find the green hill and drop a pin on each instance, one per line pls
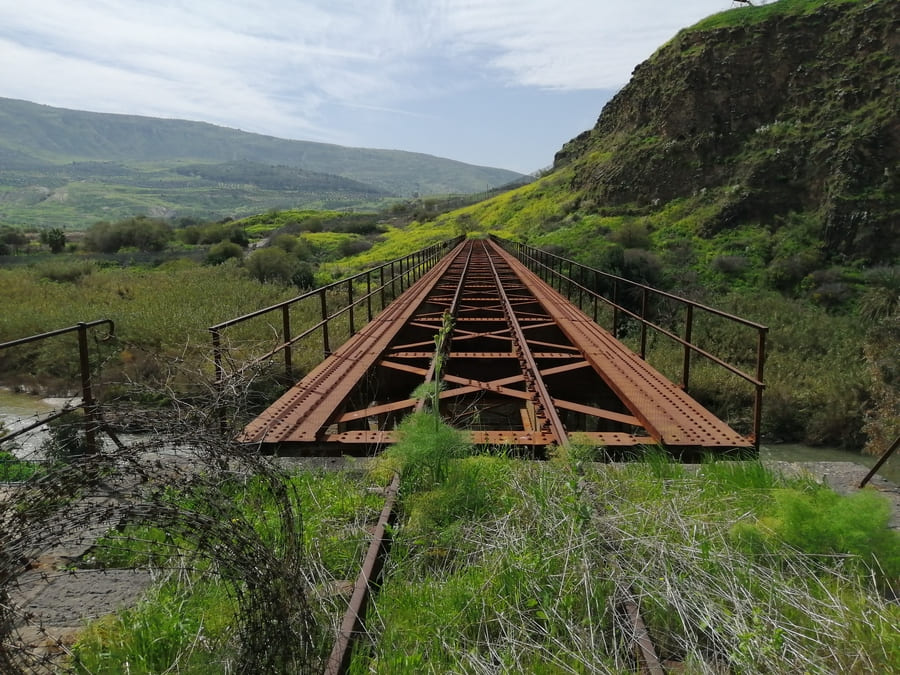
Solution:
(65, 167)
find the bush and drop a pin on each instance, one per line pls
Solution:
(272, 265)
(64, 272)
(304, 278)
(222, 251)
(352, 247)
(141, 233)
(823, 522)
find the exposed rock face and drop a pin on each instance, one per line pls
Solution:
(794, 113)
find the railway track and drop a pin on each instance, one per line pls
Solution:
(520, 366)
(523, 368)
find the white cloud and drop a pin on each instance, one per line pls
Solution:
(280, 67)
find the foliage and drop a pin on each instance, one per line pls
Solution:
(536, 581)
(65, 271)
(272, 265)
(238, 543)
(174, 625)
(213, 233)
(423, 452)
(54, 238)
(13, 469)
(742, 16)
(141, 233)
(224, 250)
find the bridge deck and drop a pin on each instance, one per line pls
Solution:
(524, 368)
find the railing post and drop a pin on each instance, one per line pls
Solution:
(87, 396)
(569, 283)
(350, 305)
(326, 346)
(220, 376)
(758, 403)
(286, 324)
(369, 295)
(615, 301)
(644, 323)
(580, 287)
(688, 331)
(393, 279)
(382, 287)
(596, 292)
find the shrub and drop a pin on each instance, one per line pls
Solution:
(730, 265)
(70, 271)
(141, 233)
(272, 265)
(222, 251)
(352, 247)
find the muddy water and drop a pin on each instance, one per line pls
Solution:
(20, 410)
(803, 453)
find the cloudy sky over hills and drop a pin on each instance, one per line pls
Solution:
(495, 82)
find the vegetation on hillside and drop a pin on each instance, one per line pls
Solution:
(63, 168)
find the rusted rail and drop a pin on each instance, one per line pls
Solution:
(353, 623)
(91, 414)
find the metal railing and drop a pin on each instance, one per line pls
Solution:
(369, 291)
(88, 403)
(560, 273)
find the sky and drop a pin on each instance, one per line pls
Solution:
(501, 83)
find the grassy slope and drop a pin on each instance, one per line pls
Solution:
(38, 145)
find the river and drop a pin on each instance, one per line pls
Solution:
(16, 410)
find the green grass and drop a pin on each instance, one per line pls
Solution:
(190, 622)
(183, 624)
(531, 582)
(743, 16)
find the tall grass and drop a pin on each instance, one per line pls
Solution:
(534, 583)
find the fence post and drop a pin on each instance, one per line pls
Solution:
(350, 305)
(326, 347)
(644, 323)
(286, 326)
(87, 396)
(369, 295)
(615, 300)
(220, 376)
(758, 403)
(393, 279)
(688, 331)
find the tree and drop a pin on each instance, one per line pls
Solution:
(54, 238)
(272, 265)
(11, 238)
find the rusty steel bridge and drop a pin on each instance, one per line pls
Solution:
(520, 366)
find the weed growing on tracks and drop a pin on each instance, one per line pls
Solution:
(532, 582)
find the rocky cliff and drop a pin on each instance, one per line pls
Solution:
(791, 107)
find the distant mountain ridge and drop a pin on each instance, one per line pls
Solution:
(39, 144)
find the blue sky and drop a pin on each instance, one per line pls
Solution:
(493, 82)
